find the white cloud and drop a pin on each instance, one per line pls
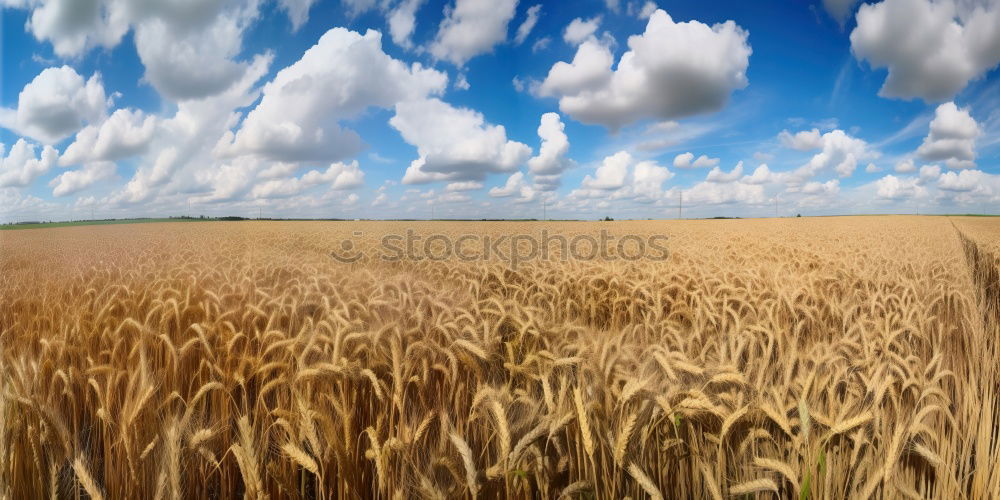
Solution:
(761, 175)
(513, 186)
(872, 168)
(462, 83)
(891, 187)
(952, 137)
(815, 188)
(124, 134)
(20, 167)
(540, 44)
(684, 160)
(717, 175)
(472, 27)
(454, 143)
(620, 177)
(839, 10)
(74, 26)
(56, 104)
(530, 20)
(905, 167)
(714, 193)
(579, 30)
(189, 48)
(402, 22)
(648, 179)
(180, 155)
(929, 173)
(338, 78)
(464, 186)
(671, 71)
(77, 180)
(357, 7)
(840, 153)
(551, 159)
(611, 173)
(965, 180)
(338, 176)
(297, 10)
(932, 49)
(647, 10)
(805, 140)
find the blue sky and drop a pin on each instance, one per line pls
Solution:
(310, 108)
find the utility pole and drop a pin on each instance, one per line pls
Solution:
(680, 205)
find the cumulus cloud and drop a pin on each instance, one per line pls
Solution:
(402, 22)
(454, 143)
(551, 159)
(20, 167)
(687, 160)
(648, 179)
(805, 140)
(717, 175)
(472, 27)
(55, 104)
(184, 63)
(181, 149)
(338, 78)
(715, 193)
(815, 188)
(579, 30)
(761, 175)
(73, 26)
(73, 181)
(124, 134)
(611, 173)
(965, 180)
(513, 186)
(530, 20)
(464, 186)
(840, 152)
(190, 50)
(891, 187)
(905, 167)
(620, 176)
(932, 49)
(952, 137)
(929, 173)
(338, 176)
(671, 71)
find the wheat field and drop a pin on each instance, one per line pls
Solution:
(793, 358)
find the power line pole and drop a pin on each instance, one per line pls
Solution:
(680, 205)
